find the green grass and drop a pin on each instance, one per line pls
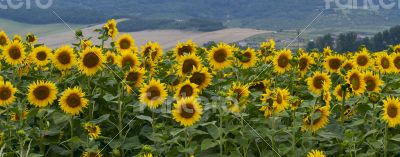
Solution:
(12, 27)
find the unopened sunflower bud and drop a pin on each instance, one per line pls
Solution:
(374, 97)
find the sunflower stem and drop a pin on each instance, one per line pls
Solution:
(385, 141)
(220, 132)
(71, 125)
(293, 132)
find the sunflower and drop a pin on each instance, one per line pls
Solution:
(182, 49)
(4, 41)
(111, 28)
(153, 94)
(338, 93)
(362, 59)
(260, 85)
(384, 63)
(128, 59)
(15, 116)
(92, 154)
(186, 89)
(316, 119)
(282, 61)
(152, 51)
(219, 56)
(86, 44)
(281, 99)
(41, 55)
(267, 49)
(72, 101)
(42, 93)
(373, 82)
(327, 51)
(348, 65)
(391, 111)
(91, 61)
(237, 96)
(110, 57)
(125, 43)
(356, 80)
(145, 155)
(333, 63)
(268, 102)
(187, 63)
(134, 79)
(295, 103)
(201, 77)
(396, 62)
(315, 153)
(17, 38)
(247, 58)
(396, 48)
(187, 111)
(305, 61)
(7, 92)
(31, 38)
(92, 130)
(14, 53)
(315, 83)
(326, 94)
(64, 58)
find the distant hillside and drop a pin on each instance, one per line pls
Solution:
(261, 14)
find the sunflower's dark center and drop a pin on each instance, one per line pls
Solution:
(279, 98)
(147, 51)
(335, 63)
(239, 93)
(348, 67)
(283, 61)
(91, 129)
(355, 81)
(5, 93)
(371, 84)
(188, 65)
(153, 93)
(187, 110)
(128, 61)
(318, 81)
(154, 54)
(132, 77)
(125, 44)
(91, 60)
(15, 52)
(362, 60)
(3, 40)
(220, 55)
(176, 82)
(339, 92)
(41, 56)
(185, 50)
(198, 78)
(74, 100)
(64, 58)
(397, 62)
(303, 63)
(247, 58)
(110, 59)
(385, 63)
(316, 121)
(41, 92)
(259, 87)
(93, 154)
(31, 38)
(392, 111)
(186, 91)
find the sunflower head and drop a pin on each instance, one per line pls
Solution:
(187, 111)
(153, 94)
(348, 65)
(356, 80)
(64, 58)
(237, 95)
(333, 63)
(125, 43)
(134, 78)
(92, 130)
(304, 62)
(42, 93)
(41, 55)
(315, 83)
(14, 53)
(186, 89)
(111, 58)
(220, 56)
(267, 48)
(182, 49)
(3, 39)
(281, 99)
(73, 101)
(187, 63)
(327, 51)
(201, 77)
(372, 81)
(362, 59)
(260, 85)
(340, 91)
(282, 61)
(316, 153)
(391, 111)
(86, 44)
(91, 61)
(128, 59)
(7, 92)
(31, 38)
(92, 154)
(17, 38)
(396, 62)
(384, 63)
(316, 119)
(15, 116)
(268, 102)
(152, 51)
(111, 28)
(247, 58)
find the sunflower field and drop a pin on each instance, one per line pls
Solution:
(119, 100)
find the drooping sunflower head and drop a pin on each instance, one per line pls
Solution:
(91, 61)
(128, 59)
(182, 49)
(339, 92)
(111, 28)
(396, 49)
(30, 38)
(260, 85)
(92, 154)
(316, 119)
(267, 48)
(295, 103)
(186, 89)
(14, 53)
(333, 63)
(373, 82)
(42, 93)
(41, 55)
(134, 78)
(304, 62)
(187, 111)
(396, 62)
(86, 44)
(73, 101)
(92, 130)
(152, 51)
(326, 94)
(282, 61)
(362, 59)
(17, 38)
(348, 65)
(316, 153)
(384, 63)
(125, 43)
(247, 58)
(281, 99)
(237, 96)
(3, 39)
(220, 56)
(327, 51)
(153, 94)
(7, 92)
(268, 102)
(315, 83)
(15, 116)
(391, 111)
(111, 58)
(356, 80)
(64, 58)
(201, 77)
(187, 63)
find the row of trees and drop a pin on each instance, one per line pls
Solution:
(352, 41)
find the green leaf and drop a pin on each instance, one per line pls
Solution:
(100, 119)
(213, 131)
(396, 138)
(109, 97)
(143, 117)
(207, 144)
